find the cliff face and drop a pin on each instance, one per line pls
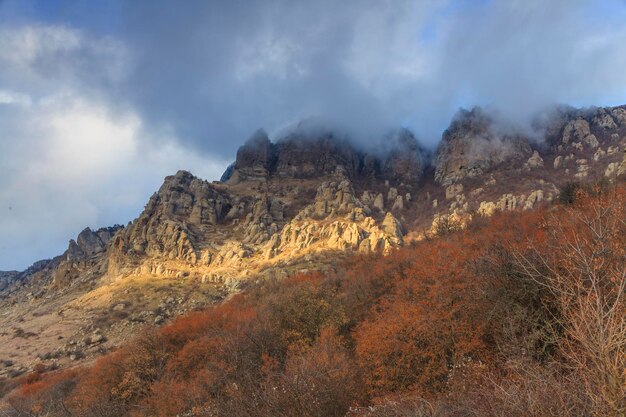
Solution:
(301, 203)
(289, 199)
(304, 157)
(471, 146)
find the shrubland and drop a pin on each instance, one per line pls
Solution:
(520, 314)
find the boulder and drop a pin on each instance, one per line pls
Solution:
(535, 161)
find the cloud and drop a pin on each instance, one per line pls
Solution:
(97, 106)
(522, 56)
(70, 158)
(43, 60)
(76, 164)
(216, 71)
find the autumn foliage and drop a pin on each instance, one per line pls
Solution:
(484, 321)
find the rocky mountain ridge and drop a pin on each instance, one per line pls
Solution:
(302, 203)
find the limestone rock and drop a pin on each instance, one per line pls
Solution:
(391, 226)
(576, 131)
(333, 198)
(398, 204)
(254, 159)
(535, 161)
(486, 208)
(611, 169)
(298, 156)
(443, 223)
(379, 202)
(599, 154)
(471, 147)
(166, 227)
(604, 120)
(582, 169)
(621, 170)
(592, 141)
(535, 197)
(301, 154)
(507, 202)
(453, 190)
(619, 115)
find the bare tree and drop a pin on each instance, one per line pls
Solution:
(582, 263)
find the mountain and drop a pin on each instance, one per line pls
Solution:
(303, 203)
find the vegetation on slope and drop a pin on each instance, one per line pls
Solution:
(521, 314)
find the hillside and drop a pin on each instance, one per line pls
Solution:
(305, 203)
(521, 314)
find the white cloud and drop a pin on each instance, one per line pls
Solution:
(21, 47)
(12, 97)
(71, 159)
(73, 163)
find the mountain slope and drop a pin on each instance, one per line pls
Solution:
(301, 204)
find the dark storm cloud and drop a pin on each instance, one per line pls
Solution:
(213, 72)
(216, 71)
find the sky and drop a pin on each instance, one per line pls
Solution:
(99, 101)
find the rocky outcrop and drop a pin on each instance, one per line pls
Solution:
(404, 160)
(299, 155)
(166, 227)
(535, 161)
(90, 243)
(7, 278)
(303, 157)
(254, 159)
(193, 225)
(616, 169)
(356, 232)
(619, 115)
(332, 198)
(471, 146)
(604, 120)
(337, 220)
(575, 131)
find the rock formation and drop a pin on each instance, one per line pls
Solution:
(302, 203)
(295, 156)
(471, 147)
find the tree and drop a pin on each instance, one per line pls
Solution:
(584, 269)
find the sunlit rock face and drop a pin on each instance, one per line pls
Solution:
(283, 199)
(172, 224)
